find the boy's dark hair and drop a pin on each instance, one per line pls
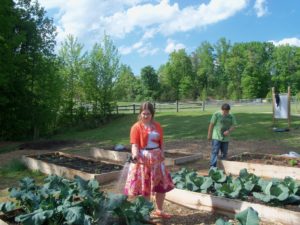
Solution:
(225, 106)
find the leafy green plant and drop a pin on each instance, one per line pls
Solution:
(190, 180)
(272, 191)
(217, 175)
(293, 162)
(248, 216)
(276, 192)
(230, 189)
(61, 201)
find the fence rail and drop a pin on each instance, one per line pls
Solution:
(160, 107)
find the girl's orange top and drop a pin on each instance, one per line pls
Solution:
(139, 135)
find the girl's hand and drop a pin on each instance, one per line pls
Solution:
(134, 151)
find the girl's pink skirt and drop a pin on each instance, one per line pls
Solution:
(148, 175)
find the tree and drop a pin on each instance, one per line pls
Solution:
(222, 49)
(126, 87)
(72, 67)
(102, 72)
(285, 68)
(150, 83)
(205, 68)
(178, 72)
(29, 67)
(234, 68)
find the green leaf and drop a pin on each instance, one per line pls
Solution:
(74, 215)
(38, 217)
(7, 206)
(248, 217)
(217, 175)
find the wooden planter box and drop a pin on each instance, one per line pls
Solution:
(230, 207)
(122, 156)
(51, 168)
(262, 170)
(2, 222)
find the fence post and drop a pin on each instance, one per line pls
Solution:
(177, 106)
(117, 108)
(203, 106)
(133, 108)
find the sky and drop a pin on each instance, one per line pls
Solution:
(146, 32)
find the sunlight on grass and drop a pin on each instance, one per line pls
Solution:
(193, 125)
(14, 171)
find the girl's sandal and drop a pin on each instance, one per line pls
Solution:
(162, 215)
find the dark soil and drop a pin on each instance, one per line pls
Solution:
(77, 163)
(267, 159)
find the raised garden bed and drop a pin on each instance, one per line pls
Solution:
(67, 165)
(171, 157)
(230, 207)
(264, 165)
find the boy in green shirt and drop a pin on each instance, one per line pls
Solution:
(222, 123)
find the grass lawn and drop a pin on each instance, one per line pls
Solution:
(254, 123)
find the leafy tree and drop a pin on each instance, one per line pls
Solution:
(178, 71)
(102, 72)
(285, 68)
(126, 87)
(72, 66)
(29, 105)
(150, 83)
(234, 68)
(222, 49)
(256, 75)
(205, 68)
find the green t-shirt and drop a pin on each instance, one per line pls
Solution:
(221, 123)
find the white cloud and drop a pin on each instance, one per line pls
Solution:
(173, 46)
(141, 47)
(260, 8)
(119, 17)
(88, 20)
(287, 41)
(205, 14)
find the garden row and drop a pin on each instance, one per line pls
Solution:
(214, 192)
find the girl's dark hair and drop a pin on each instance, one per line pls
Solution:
(147, 106)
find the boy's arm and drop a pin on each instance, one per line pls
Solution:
(209, 133)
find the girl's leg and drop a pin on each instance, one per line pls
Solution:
(159, 199)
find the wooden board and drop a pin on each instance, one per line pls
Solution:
(2, 222)
(230, 207)
(122, 156)
(262, 170)
(100, 153)
(50, 168)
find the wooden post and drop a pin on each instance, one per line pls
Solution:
(177, 106)
(289, 107)
(273, 102)
(203, 105)
(133, 108)
(117, 108)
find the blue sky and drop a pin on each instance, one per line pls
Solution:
(146, 32)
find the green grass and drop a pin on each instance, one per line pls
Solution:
(8, 148)
(14, 171)
(254, 123)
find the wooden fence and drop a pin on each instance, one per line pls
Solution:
(161, 107)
